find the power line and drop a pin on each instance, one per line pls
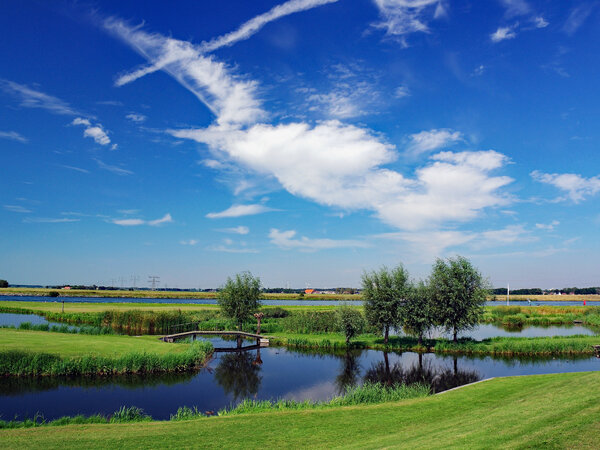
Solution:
(153, 280)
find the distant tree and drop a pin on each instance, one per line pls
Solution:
(458, 293)
(240, 297)
(384, 293)
(3, 284)
(418, 311)
(350, 321)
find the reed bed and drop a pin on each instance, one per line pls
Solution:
(27, 363)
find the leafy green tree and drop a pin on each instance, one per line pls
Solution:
(384, 293)
(417, 311)
(458, 293)
(350, 321)
(240, 297)
(3, 284)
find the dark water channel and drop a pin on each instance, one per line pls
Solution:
(267, 373)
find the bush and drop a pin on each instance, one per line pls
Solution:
(53, 294)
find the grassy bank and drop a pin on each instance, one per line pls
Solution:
(25, 353)
(503, 346)
(519, 316)
(556, 411)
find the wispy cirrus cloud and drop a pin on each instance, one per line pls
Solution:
(190, 242)
(504, 33)
(577, 17)
(114, 169)
(288, 240)
(135, 117)
(133, 222)
(547, 226)
(13, 136)
(235, 230)
(17, 209)
(33, 98)
(76, 169)
(576, 187)
(239, 211)
(49, 220)
(402, 17)
(252, 26)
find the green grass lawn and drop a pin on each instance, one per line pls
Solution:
(550, 411)
(68, 345)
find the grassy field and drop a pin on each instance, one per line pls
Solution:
(200, 295)
(551, 411)
(43, 292)
(68, 345)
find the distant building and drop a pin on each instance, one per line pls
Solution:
(309, 291)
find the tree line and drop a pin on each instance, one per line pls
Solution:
(452, 297)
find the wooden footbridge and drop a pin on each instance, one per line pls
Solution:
(261, 341)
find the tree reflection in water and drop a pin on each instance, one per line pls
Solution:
(350, 372)
(437, 378)
(238, 373)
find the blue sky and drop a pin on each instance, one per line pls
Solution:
(306, 141)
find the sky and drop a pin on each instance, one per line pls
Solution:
(306, 141)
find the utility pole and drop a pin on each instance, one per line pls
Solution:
(153, 280)
(507, 294)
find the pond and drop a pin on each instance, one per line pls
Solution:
(267, 373)
(15, 320)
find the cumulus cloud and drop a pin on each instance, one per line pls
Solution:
(239, 211)
(540, 22)
(33, 98)
(131, 222)
(191, 242)
(427, 141)
(503, 33)
(287, 240)
(576, 187)
(96, 132)
(401, 92)
(12, 135)
(402, 17)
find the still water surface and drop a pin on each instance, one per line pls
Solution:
(268, 373)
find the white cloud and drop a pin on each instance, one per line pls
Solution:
(401, 92)
(516, 7)
(427, 141)
(575, 186)
(49, 220)
(114, 169)
(165, 219)
(189, 242)
(503, 33)
(17, 209)
(31, 98)
(287, 240)
(137, 118)
(540, 22)
(252, 26)
(547, 226)
(236, 230)
(239, 211)
(76, 169)
(402, 17)
(96, 132)
(136, 222)
(577, 17)
(13, 135)
(231, 99)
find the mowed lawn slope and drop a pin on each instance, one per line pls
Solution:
(555, 411)
(67, 345)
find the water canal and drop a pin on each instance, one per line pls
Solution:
(268, 373)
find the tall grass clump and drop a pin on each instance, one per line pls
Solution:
(25, 363)
(123, 415)
(129, 414)
(310, 322)
(186, 413)
(368, 393)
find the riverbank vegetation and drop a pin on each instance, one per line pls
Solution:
(555, 411)
(37, 353)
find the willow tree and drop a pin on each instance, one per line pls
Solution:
(384, 293)
(240, 297)
(458, 293)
